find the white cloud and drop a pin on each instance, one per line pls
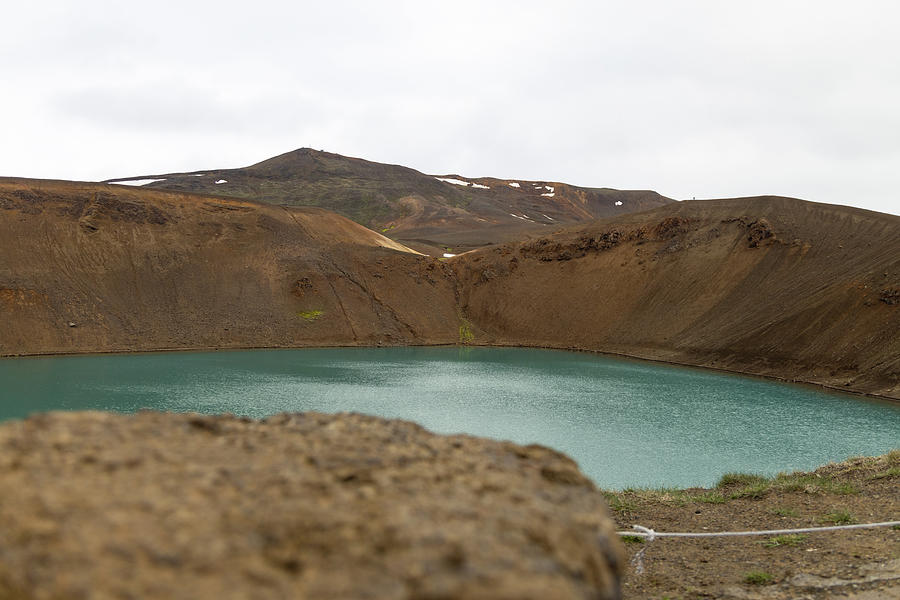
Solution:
(695, 98)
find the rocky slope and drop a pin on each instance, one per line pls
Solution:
(429, 213)
(90, 267)
(772, 286)
(157, 505)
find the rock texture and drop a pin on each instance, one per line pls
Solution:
(90, 267)
(771, 286)
(95, 505)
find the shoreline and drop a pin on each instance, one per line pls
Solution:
(162, 350)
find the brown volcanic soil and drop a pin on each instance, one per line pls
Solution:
(861, 564)
(771, 286)
(414, 208)
(154, 505)
(92, 267)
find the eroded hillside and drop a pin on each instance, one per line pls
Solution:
(96, 268)
(772, 286)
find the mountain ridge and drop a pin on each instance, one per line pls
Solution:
(430, 213)
(771, 286)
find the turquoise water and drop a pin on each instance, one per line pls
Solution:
(627, 423)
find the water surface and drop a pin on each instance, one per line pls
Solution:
(627, 423)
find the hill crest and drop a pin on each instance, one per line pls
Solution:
(430, 213)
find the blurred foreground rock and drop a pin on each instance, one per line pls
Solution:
(96, 505)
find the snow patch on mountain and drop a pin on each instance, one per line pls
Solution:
(453, 181)
(137, 181)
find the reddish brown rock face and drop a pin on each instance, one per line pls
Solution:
(296, 506)
(139, 269)
(771, 286)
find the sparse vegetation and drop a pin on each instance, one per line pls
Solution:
(625, 500)
(742, 479)
(754, 491)
(785, 512)
(617, 503)
(812, 483)
(785, 540)
(755, 486)
(786, 500)
(734, 486)
(758, 578)
(310, 315)
(465, 332)
(839, 517)
(632, 539)
(890, 473)
(711, 498)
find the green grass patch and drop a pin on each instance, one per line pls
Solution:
(839, 517)
(310, 315)
(832, 479)
(734, 486)
(742, 479)
(629, 498)
(808, 483)
(465, 332)
(758, 578)
(840, 487)
(618, 503)
(812, 483)
(893, 457)
(889, 474)
(710, 498)
(753, 492)
(669, 496)
(785, 540)
(632, 539)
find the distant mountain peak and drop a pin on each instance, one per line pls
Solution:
(426, 212)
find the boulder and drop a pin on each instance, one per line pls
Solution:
(158, 505)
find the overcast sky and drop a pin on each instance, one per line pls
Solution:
(689, 98)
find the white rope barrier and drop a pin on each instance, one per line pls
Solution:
(645, 532)
(650, 534)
